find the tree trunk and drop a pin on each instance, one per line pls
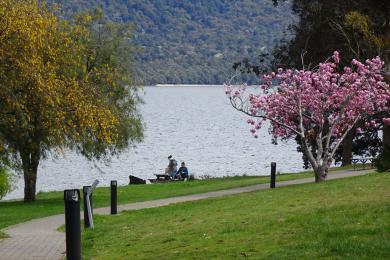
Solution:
(320, 173)
(347, 149)
(30, 161)
(386, 128)
(386, 139)
(30, 179)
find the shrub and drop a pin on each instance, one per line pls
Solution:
(5, 183)
(382, 163)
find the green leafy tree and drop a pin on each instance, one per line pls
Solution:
(368, 33)
(359, 29)
(63, 85)
(5, 183)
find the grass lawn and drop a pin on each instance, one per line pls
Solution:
(339, 219)
(51, 203)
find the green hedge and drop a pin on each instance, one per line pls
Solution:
(382, 163)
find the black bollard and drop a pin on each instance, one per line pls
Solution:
(87, 220)
(72, 224)
(113, 197)
(273, 174)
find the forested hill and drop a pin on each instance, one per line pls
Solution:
(194, 41)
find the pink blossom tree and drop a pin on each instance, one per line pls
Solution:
(318, 106)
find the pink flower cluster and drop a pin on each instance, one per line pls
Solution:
(325, 99)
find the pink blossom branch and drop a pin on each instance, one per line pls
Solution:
(263, 116)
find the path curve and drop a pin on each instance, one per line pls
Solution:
(39, 238)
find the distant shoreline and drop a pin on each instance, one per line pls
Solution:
(186, 85)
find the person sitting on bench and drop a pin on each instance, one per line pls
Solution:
(182, 173)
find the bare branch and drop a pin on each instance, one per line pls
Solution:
(343, 136)
(338, 27)
(303, 53)
(233, 77)
(306, 147)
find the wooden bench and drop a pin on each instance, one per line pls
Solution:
(163, 177)
(363, 161)
(160, 178)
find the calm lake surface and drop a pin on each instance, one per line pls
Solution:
(194, 124)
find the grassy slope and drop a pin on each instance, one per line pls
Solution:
(338, 219)
(51, 203)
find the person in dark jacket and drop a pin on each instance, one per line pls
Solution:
(182, 173)
(172, 167)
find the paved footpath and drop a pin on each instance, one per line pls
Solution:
(39, 238)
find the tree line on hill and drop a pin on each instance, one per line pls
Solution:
(193, 42)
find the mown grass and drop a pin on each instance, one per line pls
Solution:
(51, 203)
(338, 219)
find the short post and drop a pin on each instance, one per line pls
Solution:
(87, 220)
(72, 224)
(114, 197)
(273, 174)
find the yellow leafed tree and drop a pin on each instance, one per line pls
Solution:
(62, 86)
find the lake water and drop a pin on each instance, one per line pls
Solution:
(194, 124)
